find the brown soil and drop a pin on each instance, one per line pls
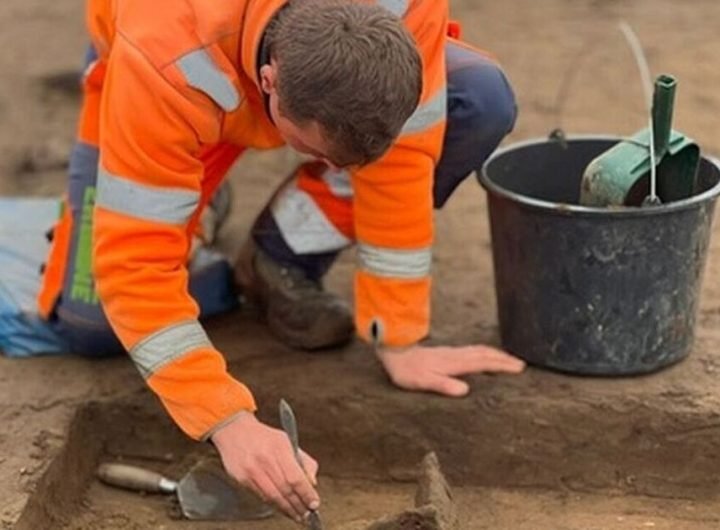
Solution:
(540, 451)
(138, 433)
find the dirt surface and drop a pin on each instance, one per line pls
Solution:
(540, 451)
(138, 433)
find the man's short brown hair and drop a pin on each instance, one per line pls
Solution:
(350, 66)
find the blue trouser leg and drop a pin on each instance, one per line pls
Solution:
(78, 315)
(481, 112)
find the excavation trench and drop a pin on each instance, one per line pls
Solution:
(509, 466)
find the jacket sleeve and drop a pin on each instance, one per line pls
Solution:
(393, 203)
(148, 197)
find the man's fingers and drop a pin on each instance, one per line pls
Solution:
(311, 467)
(299, 482)
(262, 458)
(269, 492)
(285, 483)
(445, 385)
(473, 359)
(492, 354)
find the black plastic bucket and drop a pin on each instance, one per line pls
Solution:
(592, 290)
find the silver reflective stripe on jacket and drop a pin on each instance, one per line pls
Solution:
(168, 344)
(428, 114)
(202, 73)
(150, 203)
(304, 226)
(393, 263)
(339, 182)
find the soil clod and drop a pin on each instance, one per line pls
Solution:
(434, 505)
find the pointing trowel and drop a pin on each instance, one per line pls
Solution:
(203, 493)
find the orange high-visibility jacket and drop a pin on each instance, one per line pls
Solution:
(180, 84)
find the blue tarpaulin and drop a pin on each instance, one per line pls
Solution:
(24, 223)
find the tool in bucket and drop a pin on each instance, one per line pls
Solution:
(204, 493)
(655, 165)
(289, 425)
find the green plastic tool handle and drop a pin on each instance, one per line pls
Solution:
(662, 110)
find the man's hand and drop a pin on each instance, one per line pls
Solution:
(436, 369)
(261, 458)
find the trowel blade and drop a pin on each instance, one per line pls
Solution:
(211, 495)
(314, 521)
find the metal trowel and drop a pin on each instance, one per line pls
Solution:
(204, 493)
(289, 425)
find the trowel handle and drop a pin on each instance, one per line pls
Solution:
(662, 111)
(135, 478)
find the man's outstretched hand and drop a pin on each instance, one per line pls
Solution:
(436, 369)
(261, 458)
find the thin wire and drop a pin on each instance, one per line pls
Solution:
(642, 64)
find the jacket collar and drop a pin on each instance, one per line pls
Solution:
(258, 15)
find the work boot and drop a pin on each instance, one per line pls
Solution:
(217, 212)
(212, 219)
(297, 309)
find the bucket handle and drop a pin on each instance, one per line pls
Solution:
(644, 69)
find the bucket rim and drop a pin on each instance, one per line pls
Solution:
(589, 211)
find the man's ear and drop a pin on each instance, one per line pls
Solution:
(268, 77)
